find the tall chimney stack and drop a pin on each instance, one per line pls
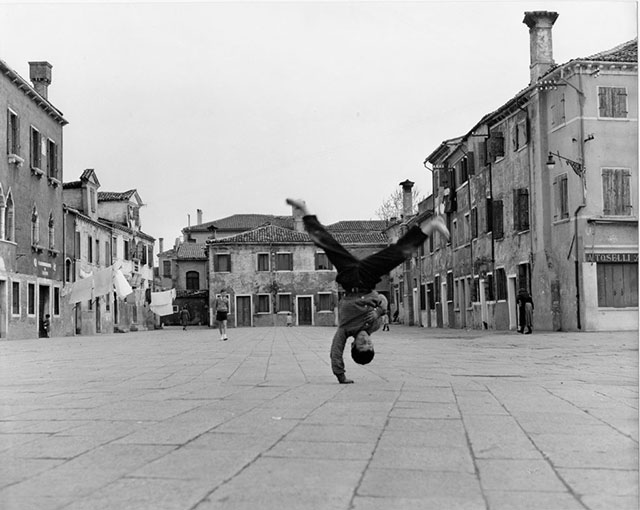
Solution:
(298, 224)
(540, 24)
(199, 213)
(407, 199)
(40, 76)
(161, 244)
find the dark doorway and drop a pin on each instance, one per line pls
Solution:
(304, 311)
(243, 310)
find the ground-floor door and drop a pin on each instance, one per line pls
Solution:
(98, 316)
(305, 313)
(243, 311)
(44, 306)
(511, 295)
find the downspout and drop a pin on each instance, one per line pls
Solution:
(583, 204)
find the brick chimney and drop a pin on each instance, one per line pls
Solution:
(298, 224)
(199, 213)
(540, 24)
(407, 199)
(40, 76)
(161, 244)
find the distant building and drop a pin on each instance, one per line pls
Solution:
(31, 225)
(271, 271)
(102, 229)
(542, 195)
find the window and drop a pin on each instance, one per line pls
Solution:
(56, 301)
(612, 102)
(284, 303)
(263, 303)
(193, 280)
(150, 256)
(449, 286)
(558, 111)
(284, 262)
(616, 192)
(561, 194)
(463, 170)
(501, 284)
(496, 146)
(35, 227)
(97, 251)
(466, 228)
(263, 262)
(617, 285)
(114, 248)
(521, 209)
(489, 288)
(9, 222)
(474, 222)
(15, 298)
(107, 254)
(52, 232)
(36, 149)
(454, 234)
(325, 302)
(126, 254)
(13, 133)
(498, 225)
(52, 159)
(166, 268)
(423, 297)
(31, 299)
(222, 262)
(322, 262)
(68, 268)
(89, 249)
(521, 134)
(437, 289)
(431, 295)
(475, 290)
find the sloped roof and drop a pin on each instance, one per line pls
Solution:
(243, 222)
(115, 196)
(625, 52)
(275, 234)
(357, 226)
(192, 251)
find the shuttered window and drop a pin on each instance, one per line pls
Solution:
(498, 223)
(612, 102)
(616, 192)
(474, 222)
(13, 133)
(222, 263)
(263, 262)
(561, 197)
(521, 209)
(617, 285)
(496, 146)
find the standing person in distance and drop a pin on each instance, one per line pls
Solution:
(222, 311)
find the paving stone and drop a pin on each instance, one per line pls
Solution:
(426, 503)
(432, 458)
(518, 475)
(533, 500)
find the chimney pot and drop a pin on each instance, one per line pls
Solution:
(161, 244)
(407, 198)
(40, 76)
(199, 213)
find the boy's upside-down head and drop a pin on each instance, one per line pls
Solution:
(362, 348)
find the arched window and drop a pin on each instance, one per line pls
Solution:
(193, 280)
(68, 271)
(9, 223)
(52, 232)
(35, 227)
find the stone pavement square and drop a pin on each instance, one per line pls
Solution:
(441, 419)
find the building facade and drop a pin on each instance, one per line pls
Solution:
(272, 272)
(102, 229)
(542, 195)
(31, 221)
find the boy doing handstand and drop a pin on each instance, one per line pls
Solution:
(362, 308)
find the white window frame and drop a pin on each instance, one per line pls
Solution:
(19, 299)
(268, 256)
(330, 294)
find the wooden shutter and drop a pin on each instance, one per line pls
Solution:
(625, 191)
(605, 102)
(471, 164)
(556, 198)
(608, 199)
(474, 222)
(619, 102)
(498, 228)
(489, 212)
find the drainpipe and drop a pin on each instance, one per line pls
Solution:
(582, 205)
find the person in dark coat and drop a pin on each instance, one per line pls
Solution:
(525, 311)
(185, 317)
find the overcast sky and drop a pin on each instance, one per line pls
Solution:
(230, 107)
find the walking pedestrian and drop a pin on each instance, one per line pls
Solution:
(524, 302)
(185, 317)
(385, 322)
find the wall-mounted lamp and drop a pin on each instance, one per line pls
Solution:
(577, 167)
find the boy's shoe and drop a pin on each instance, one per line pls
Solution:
(343, 380)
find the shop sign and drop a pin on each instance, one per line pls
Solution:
(620, 258)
